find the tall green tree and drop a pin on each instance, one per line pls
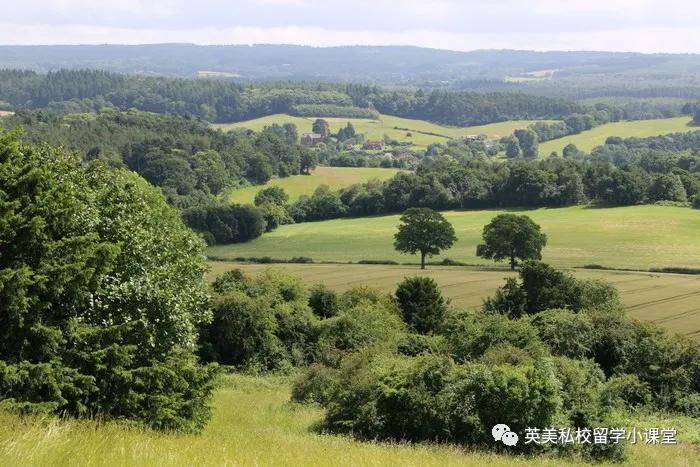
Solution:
(101, 293)
(424, 231)
(512, 237)
(529, 142)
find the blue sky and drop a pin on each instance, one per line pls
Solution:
(619, 25)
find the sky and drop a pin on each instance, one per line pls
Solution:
(611, 25)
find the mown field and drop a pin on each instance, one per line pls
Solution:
(297, 185)
(588, 140)
(387, 124)
(255, 424)
(638, 237)
(670, 300)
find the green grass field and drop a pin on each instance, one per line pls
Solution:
(255, 424)
(588, 140)
(639, 237)
(670, 300)
(386, 124)
(297, 185)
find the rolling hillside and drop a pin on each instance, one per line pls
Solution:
(297, 185)
(625, 237)
(395, 127)
(588, 140)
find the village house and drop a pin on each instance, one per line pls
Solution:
(310, 140)
(373, 145)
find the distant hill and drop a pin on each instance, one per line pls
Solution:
(568, 74)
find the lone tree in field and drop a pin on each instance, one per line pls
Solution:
(509, 236)
(423, 230)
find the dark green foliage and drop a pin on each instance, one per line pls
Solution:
(423, 231)
(528, 142)
(323, 301)
(274, 194)
(667, 187)
(469, 335)
(513, 148)
(429, 398)
(421, 303)
(232, 223)
(337, 111)
(512, 237)
(543, 287)
(101, 291)
(261, 323)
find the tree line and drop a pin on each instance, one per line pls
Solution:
(228, 101)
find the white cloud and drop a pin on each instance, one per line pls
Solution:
(635, 39)
(624, 25)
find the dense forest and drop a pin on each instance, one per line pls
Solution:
(571, 75)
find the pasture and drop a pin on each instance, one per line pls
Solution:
(254, 423)
(633, 237)
(395, 127)
(297, 185)
(670, 300)
(590, 139)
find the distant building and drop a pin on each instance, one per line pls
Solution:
(373, 145)
(310, 140)
(470, 138)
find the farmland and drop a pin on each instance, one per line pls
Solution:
(670, 300)
(255, 424)
(387, 124)
(297, 185)
(588, 140)
(639, 237)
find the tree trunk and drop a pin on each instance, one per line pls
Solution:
(422, 260)
(512, 261)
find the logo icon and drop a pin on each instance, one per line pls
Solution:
(502, 433)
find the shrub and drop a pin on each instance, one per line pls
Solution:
(421, 303)
(468, 335)
(543, 287)
(365, 324)
(565, 332)
(323, 301)
(315, 384)
(431, 398)
(629, 389)
(261, 323)
(101, 292)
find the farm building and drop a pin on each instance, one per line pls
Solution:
(373, 145)
(310, 140)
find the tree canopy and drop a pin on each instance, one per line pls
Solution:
(101, 292)
(424, 231)
(512, 237)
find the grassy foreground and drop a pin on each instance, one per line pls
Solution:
(255, 424)
(297, 185)
(389, 125)
(639, 237)
(670, 300)
(588, 140)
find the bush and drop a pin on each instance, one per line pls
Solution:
(431, 398)
(542, 287)
(566, 333)
(323, 301)
(101, 292)
(263, 323)
(630, 390)
(365, 324)
(421, 303)
(468, 335)
(315, 384)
